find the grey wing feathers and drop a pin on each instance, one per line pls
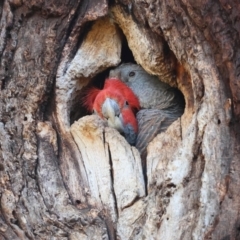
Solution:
(150, 123)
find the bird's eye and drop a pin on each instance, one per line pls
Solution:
(131, 74)
(127, 103)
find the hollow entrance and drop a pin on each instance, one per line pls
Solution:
(77, 110)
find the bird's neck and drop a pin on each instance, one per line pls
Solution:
(172, 102)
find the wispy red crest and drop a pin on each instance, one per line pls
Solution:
(89, 96)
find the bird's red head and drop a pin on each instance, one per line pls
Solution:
(116, 104)
(113, 88)
(131, 98)
(113, 94)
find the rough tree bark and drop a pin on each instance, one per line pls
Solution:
(66, 177)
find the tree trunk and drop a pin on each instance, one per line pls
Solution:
(65, 175)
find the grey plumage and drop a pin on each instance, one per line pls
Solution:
(161, 104)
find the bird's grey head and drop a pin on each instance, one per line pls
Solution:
(148, 88)
(135, 76)
(128, 73)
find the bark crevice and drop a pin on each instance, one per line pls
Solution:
(67, 175)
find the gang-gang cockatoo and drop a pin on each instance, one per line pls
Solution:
(116, 103)
(160, 103)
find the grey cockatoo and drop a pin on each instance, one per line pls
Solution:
(161, 104)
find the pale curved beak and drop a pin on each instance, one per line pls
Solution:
(111, 112)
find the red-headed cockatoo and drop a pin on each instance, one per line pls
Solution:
(117, 104)
(161, 104)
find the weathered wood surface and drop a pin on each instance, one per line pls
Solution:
(72, 76)
(114, 170)
(83, 181)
